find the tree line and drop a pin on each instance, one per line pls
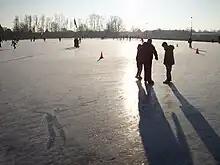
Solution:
(94, 26)
(60, 23)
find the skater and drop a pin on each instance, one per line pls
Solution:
(60, 39)
(142, 40)
(17, 39)
(13, 43)
(76, 43)
(148, 51)
(1, 41)
(190, 42)
(34, 38)
(44, 39)
(168, 61)
(139, 60)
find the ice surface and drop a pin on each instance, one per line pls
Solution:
(107, 117)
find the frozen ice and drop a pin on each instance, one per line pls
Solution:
(107, 117)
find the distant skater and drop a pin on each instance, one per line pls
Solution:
(139, 60)
(44, 39)
(168, 61)
(60, 39)
(34, 38)
(1, 41)
(190, 42)
(76, 43)
(17, 39)
(142, 40)
(13, 43)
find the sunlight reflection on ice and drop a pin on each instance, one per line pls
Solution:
(129, 82)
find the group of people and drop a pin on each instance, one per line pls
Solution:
(145, 53)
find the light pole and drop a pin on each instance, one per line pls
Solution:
(146, 30)
(191, 25)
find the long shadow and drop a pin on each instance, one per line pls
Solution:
(205, 131)
(4, 49)
(21, 58)
(160, 144)
(200, 50)
(70, 48)
(182, 140)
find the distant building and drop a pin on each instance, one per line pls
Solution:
(206, 34)
(209, 36)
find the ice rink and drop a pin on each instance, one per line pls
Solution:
(103, 115)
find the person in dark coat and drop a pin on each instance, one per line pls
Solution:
(190, 42)
(0, 41)
(149, 51)
(139, 61)
(76, 43)
(168, 61)
(14, 43)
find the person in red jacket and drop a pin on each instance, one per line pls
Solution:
(168, 61)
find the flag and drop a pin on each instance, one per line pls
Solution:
(75, 23)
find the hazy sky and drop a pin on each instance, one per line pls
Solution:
(146, 14)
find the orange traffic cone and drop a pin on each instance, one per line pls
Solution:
(101, 57)
(197, 51)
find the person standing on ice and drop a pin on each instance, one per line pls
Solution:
(190, 42)
(148, 51)
(0, 41)
(13, 43)
(76, 43)
(139, 60)
(168, 61)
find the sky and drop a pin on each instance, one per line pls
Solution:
(143, 14)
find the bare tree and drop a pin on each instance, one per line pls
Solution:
(96, 22)
(36, 23)
(48, 23)
(62, 21)
(65, 24)
(23, 27)
(115, 24)
(16, 23)
(30, 22)
(42, 23)
(83, 27)
(26, 23)
(71, 24)
(135, 29)
(54, 27)
(101, 22)
(56, 22)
